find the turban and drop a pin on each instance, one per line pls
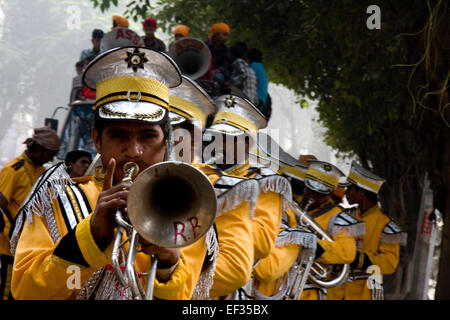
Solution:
(181, 29)
(219, 27)
(46, 137)
(149, 22)
(120, 21)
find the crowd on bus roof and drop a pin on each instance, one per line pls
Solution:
(234, 68)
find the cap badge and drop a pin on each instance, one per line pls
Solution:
(230, 102)
(136, 59)
(327, 167)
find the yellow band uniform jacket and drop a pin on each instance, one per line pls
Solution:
(269, 206)
(56, 247)
(231, 267)
(16, 180)
(380, 246)
(343, 229)
(271, 272)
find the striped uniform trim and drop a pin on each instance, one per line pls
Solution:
(392, 228)
(122, 96)
(74, 206)
(132, 83)
(324, 182)
(365, 183)
(226, 183)
(344, 221)
(392, 233)
(82, 201)
(67, 211)
(73, 202)
(19, 164)
(186, 109)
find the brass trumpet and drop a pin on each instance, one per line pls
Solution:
(170, 204)
(305, 267)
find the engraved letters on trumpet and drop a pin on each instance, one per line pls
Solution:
(180, 230)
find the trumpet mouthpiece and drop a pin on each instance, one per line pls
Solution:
(131, 169)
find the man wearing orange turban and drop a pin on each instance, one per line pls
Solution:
(119, 21)
(219, 27)
(220, 54)
(180, 31)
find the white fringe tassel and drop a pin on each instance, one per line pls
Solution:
(39, 201)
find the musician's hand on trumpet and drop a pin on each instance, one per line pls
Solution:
(111, 199)
(167, 259)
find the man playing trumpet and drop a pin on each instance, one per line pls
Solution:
(71, 225)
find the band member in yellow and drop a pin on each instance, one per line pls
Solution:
(321, 180)
(235, 128)
(270, 274)
(379, 249)
(64, 241)
(219, 265)
(231, 263)
(16, 180)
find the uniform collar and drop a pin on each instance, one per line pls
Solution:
(29, 161)
(368, 212)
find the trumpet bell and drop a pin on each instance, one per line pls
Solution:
(171, 204)
(192, 56)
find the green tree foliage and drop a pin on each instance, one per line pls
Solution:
(382, 93)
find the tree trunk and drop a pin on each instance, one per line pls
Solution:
(443, 282)
(405, 210)
(400, 198)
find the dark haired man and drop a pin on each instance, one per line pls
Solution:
(96, 40)
(77, 162)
